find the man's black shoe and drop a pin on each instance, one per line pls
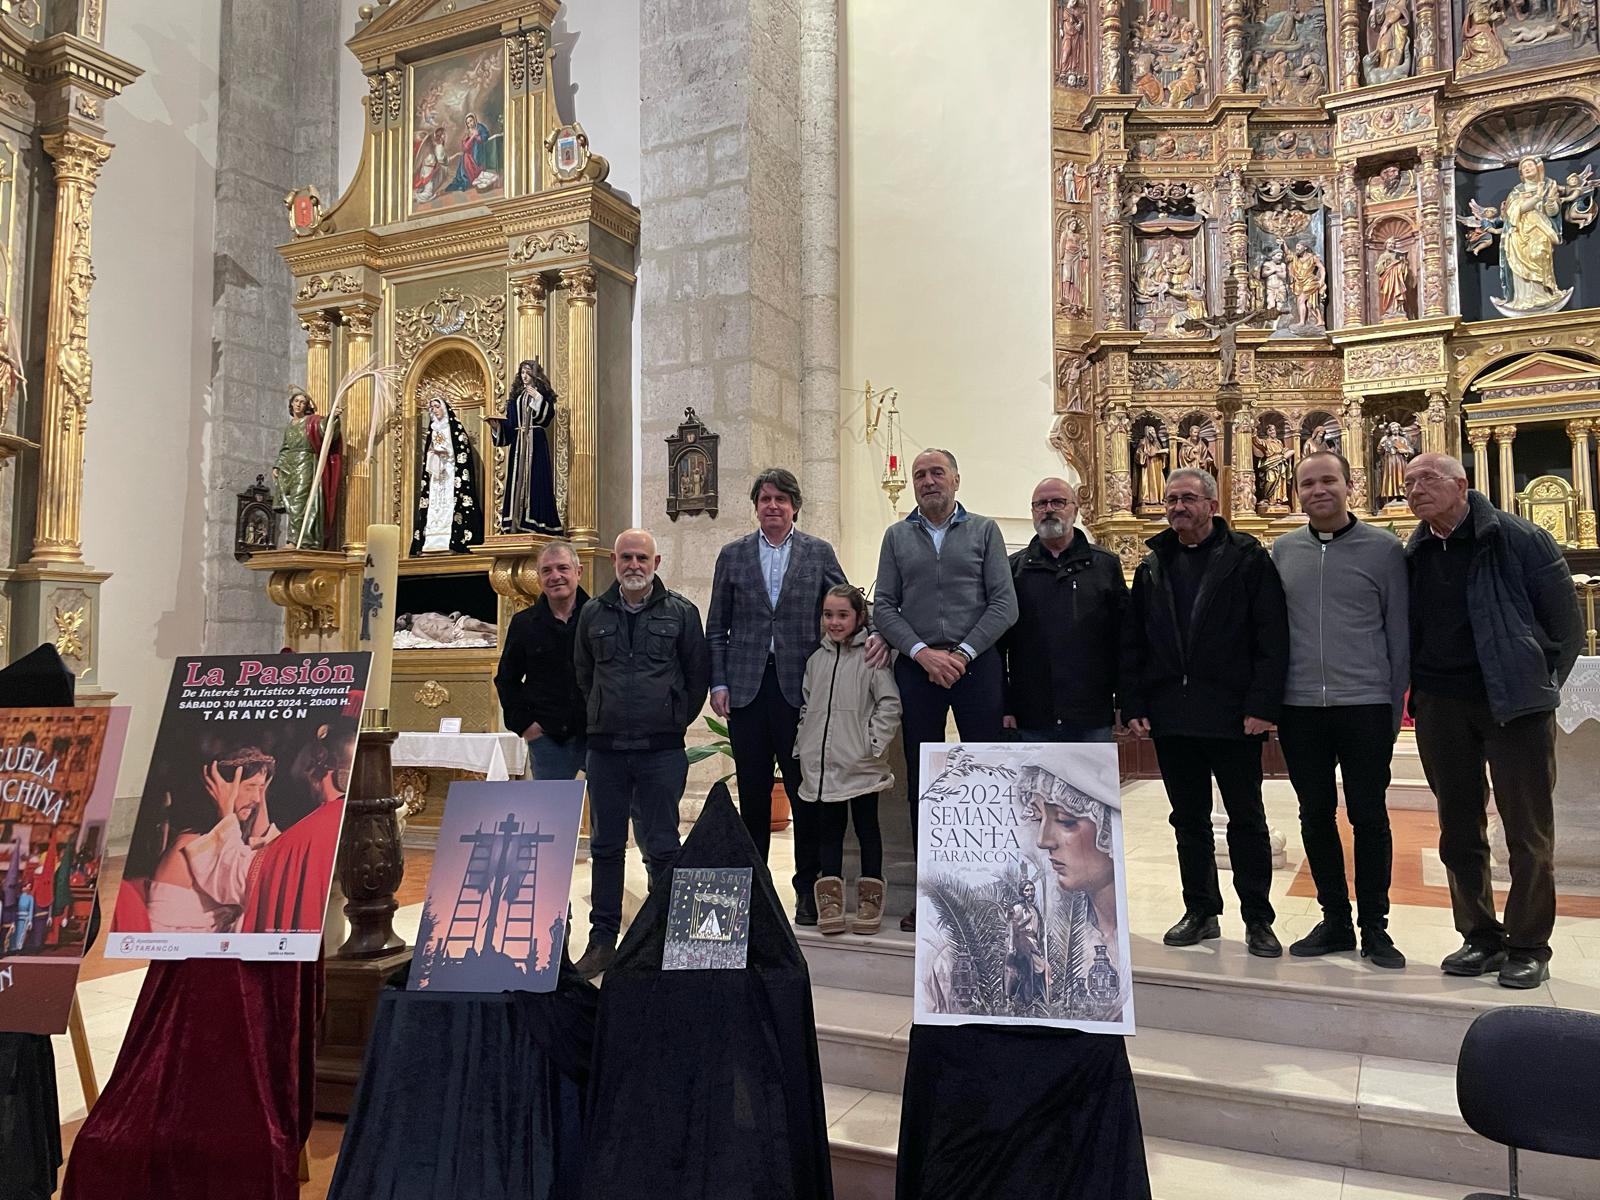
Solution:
(1474, 959)
(1379, 949)
(1192, 930)
(1261, 941)
(1326, 937)
(596, 958)
(805, 909)
(1523, 971)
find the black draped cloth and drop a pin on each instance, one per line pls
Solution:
(30, 1113)
(706, 1083)
(471, 1095)
(994, 1112)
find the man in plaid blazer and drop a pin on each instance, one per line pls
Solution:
(764, 621)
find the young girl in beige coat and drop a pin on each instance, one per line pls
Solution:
(848, 719)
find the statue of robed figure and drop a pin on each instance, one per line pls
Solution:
(306, 474)
(528, 491)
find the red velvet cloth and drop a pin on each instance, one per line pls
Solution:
(331, 474)
(212, 1093)
(287, 890)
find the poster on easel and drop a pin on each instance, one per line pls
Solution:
(495, 916)
(1022, 900)
(234, 845)
(58, 778)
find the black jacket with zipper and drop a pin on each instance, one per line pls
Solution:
(645, 678)
(1235, 660)
(1061, 655)
(536, 680)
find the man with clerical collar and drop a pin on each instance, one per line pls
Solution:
(943, 598)
(537, 682)
(1349, 657)
(644, 670)
(1206, 649)
(1495, 629)
(1061, 655)
(762, 624)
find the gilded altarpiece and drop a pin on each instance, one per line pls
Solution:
(1283, 225)
(479, 233)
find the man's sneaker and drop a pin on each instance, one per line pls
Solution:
(1326, 937)
(596, 958)
(1378, 947)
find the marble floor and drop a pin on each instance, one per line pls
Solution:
(1421, 926)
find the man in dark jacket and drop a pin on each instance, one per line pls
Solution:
(1206, 653)
(1495, 629)
(644, 669)
(1061, 655)
(537, 682)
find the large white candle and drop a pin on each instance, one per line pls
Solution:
(378, 586)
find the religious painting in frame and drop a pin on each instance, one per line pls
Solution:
(58, 779)
(458, 129)
(233, 847)
(495, 916)
(691, 468)
(1022, 897)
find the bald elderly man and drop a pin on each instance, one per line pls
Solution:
(1061, 655)
(644, 670)
(1495, 629)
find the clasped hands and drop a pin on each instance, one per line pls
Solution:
(1253, 726)
(944, 667)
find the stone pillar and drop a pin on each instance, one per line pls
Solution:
(1504, 435)
(1350, 245)
(68, 371)
(819, 266)
(582, 521)
(1115, 265)
(1349, 45)
(1583, 482)
(1479, 437)
(356, 423)
(1110, 47)
(1432, 236)
(720, 253)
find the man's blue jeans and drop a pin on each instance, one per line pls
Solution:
(557, 760)
(643, 784)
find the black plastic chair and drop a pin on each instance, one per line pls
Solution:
(1529, 1078)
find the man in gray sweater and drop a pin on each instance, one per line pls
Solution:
(1349, 653)
(943, 598)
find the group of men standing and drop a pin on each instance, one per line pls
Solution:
(1216, 644)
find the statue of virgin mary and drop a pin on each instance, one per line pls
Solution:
(449, 519)
(528, 497)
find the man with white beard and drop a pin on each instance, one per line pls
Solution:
(1061, 655)
(644, 670)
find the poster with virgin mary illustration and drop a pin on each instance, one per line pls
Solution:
(1021, 888)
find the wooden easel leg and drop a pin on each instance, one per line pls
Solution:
(80, 1051)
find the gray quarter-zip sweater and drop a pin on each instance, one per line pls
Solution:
(1349, 633)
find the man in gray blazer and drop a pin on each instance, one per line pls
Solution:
(764, 620)
(943, 598)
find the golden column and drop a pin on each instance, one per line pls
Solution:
(1349, 45)
(1116, 295)
(582, 495)
(1479, 438)
(1350, 244)
(1238, 241)
(319, 359)
(1110, 47)
(1432, 236)
(358, 507)
(1435, 430)
(1583, 480)
(530, 294)
(1504, 435)
(1119, 474)
(1355, 452)
(1427, 37)
(1233, 27)
(68, 371)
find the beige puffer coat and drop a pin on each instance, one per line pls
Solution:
(849, 718)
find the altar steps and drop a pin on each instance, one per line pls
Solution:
(1230, 1058)
(864, 1127)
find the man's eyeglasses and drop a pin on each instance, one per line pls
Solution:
(1424, 479)
(1184, 499)
(1054, 504)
